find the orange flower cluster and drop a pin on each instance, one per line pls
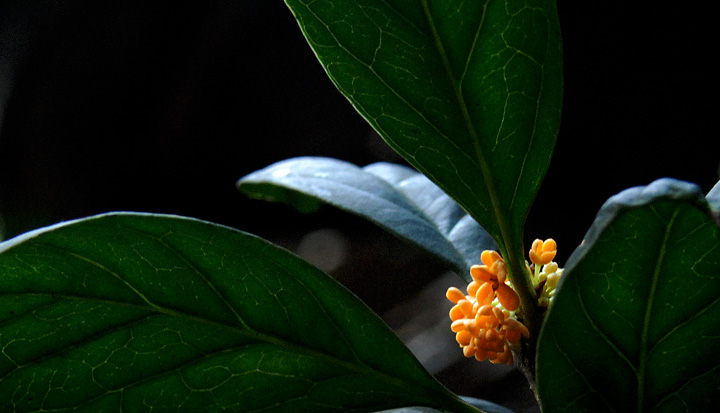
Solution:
(484, 320)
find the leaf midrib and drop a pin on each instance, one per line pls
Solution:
(376, 125)
(506, 240)
(644, 336)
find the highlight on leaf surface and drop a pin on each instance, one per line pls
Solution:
(396, 198)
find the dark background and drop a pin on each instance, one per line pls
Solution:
(161, 106)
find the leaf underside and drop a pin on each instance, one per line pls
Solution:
(483, 405)
(634, 324)
(148, 312)
(396, 198)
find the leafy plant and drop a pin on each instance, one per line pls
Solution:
(152, 312)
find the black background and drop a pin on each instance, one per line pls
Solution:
(161, 106)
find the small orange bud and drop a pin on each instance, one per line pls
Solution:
(496, 346)
(492, 335)
(472, 327)
(513, 336)
(458, 325)
(486, 310)
(469, 351)
(499, 314)
(485, 294)
(472, 288)
(456, 313)
(488, 257)
(466, 307)
(463, 337)
(508, 297)
(454, 294)
(513, 324)
(500, 271)
(505, 357)
(485, 321)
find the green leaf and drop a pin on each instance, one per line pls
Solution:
(469, 92)
(634, 325)
(394, 197)
(144, 312)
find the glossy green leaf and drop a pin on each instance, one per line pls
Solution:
(469, 92)
(394, 197)
(634, 325)
(128, 312)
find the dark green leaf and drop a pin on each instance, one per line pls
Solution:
(469, 92)
(396, 198)
(129, 312)
(634, 325)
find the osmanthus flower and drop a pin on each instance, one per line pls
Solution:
(485, 319)
(546, 272)
(543, 252)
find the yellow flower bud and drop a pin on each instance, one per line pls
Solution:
(552, 281)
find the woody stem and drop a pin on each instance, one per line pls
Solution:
(531, 316)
